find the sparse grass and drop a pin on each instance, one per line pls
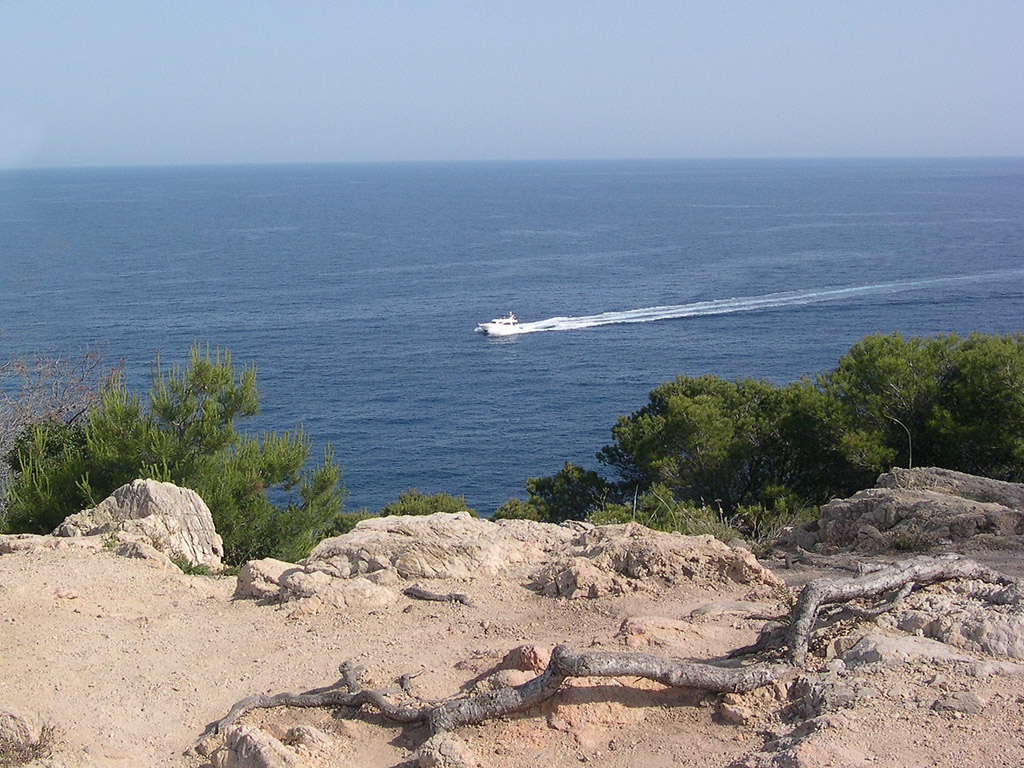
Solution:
(188, 569)
(911, 543)
(14, 753)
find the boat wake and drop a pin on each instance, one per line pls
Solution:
(751, 303)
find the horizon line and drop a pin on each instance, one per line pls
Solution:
(514, 161)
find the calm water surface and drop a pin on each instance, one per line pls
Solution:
(356, 288)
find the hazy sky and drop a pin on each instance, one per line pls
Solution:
(130, 82)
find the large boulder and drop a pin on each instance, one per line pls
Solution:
(174, 520)
(917, 509)
(438, 546)
(569, 560)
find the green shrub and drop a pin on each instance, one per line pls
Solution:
(188, 569)
(945, 401)
(657, 509)
(346, 521)
(572, 493)
(516, 509)
(412, 502)
(187, 436)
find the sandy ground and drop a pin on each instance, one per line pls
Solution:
(132, 662)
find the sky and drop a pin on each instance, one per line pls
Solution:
(128, 82)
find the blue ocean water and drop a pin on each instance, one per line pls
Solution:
(356, 288)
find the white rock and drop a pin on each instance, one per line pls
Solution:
(246, 746)
(609, 559)
(445, 750)
(261, 579)
(348, 594)
(874, 649)
(443, 545)
(174, 520)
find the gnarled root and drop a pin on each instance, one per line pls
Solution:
(452, 713)
(899, 579)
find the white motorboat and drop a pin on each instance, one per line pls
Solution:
(500, 326)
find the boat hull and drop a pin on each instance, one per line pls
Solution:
(498, 329)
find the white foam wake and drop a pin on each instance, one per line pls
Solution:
(751, 303)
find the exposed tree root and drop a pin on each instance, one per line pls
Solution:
(419, 593)
(452, 713)
(901, 577)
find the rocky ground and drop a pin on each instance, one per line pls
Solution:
(130, 660)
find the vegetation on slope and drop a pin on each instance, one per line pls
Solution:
(185, 433)
(747, 454)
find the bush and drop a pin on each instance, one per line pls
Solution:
(657, 509)
(346, 521)
(412, 502)
(765, 456)
(187, 436)
(726, 443)
(944, 401)
(572, 493)
(516, 509)
(52, 390)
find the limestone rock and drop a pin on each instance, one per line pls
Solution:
(874, 649)
(955, 483)
(960, 701)
(140, 550)
(246, 746)
(610, 559)
(916, 509)
(732, 710)
(442, 545)
(984, 669)
(174, 520)
(577, 577)
(357, 594)
(503, 678)
(966, 622)
(731, 608)
(31, 542)
(531, 658)
(261, 579)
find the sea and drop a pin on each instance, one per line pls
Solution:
(355, 289)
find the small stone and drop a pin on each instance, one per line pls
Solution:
(735, 714)
(837, 666)
(964, 702)
(506, 678)
(532, 658)
(307, 736)
(445, 750)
